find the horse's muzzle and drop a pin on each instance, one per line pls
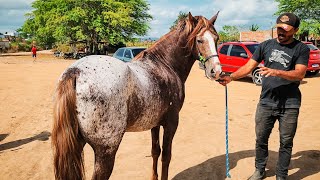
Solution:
(215, 72)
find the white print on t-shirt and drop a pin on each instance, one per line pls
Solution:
(279, 56)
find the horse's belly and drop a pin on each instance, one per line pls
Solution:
(143, 124)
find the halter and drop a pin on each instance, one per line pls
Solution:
(203, 59)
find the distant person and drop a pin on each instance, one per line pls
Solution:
(285, 65)
(34, 53)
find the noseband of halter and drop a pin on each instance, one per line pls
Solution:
(203, 60)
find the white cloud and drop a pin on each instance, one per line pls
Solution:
(232, 12)
(12, 14)
(15, 4)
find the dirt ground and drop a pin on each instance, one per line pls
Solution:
(26, 94)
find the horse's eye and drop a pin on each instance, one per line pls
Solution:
(199, 41)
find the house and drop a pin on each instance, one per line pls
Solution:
(10, 35)
(258, 36)
(4, 45)
(261, 36)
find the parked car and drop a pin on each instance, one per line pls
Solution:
(233, 55)
(314, 60)
(127, 53)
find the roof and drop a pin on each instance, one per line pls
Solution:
(242, 42)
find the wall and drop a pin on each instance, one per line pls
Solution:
(258, 36)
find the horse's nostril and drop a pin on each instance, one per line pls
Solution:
(212, 71)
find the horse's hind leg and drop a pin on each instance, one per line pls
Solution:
(170, 127)
(105, 152)
(155, 151)
(103, 165)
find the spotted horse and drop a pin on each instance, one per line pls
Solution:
(99, 98)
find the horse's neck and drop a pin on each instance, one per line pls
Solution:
(172, 51)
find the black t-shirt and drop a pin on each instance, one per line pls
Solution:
(276, 91)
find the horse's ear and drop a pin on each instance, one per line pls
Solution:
(214, 18)
(191, 18)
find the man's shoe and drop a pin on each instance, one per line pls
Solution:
(257, 175)
(280, 178)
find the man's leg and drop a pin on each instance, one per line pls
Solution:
(288, 120)
(264, 124)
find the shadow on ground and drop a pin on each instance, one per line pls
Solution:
(307, 163)
(3, 136)
(43, 136)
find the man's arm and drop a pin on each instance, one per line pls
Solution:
(241, 72)
(293, 75)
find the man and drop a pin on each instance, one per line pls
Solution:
(34, 53)
(285, 65)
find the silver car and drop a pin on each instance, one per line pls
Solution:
(127, 53)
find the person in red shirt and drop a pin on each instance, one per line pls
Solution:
(34, 53)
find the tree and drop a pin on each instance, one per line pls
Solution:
(229, 33)
(182, 15)
(254, 27)
(94, 21)
(309, 13)
(305, 9)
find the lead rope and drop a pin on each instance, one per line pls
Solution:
(227, 141)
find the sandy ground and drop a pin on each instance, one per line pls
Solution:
(26, 94)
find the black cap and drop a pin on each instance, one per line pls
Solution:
(288, 21)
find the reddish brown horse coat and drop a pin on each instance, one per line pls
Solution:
(99, 98)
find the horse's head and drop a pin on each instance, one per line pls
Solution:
(203, 40)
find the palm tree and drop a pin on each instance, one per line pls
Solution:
(254, 27)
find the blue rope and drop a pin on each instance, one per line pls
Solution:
(227, 141)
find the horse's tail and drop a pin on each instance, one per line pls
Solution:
(66, 138)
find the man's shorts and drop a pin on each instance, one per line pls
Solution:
(34, 55)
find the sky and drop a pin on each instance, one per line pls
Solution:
(241, 13)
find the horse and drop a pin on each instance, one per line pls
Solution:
(99, 98)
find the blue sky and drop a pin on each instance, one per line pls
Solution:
(242, 13)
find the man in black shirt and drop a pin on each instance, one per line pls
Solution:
(285, 65)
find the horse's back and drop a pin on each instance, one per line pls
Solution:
(102, 71)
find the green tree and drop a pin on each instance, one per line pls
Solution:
(182, 15)
(309, 13)
(229, 33)
(254, 27)
(58, 21)
(305, 9)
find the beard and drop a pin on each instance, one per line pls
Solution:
(283, 38)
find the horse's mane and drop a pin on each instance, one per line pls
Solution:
(185, 29)
(202, 25)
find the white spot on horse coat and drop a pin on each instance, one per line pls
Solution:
(212, 45)
(213, 50)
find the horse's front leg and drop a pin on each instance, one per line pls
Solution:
(155, 151)
(170, 127)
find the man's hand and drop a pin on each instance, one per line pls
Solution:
(224, 79)
(268, 72)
